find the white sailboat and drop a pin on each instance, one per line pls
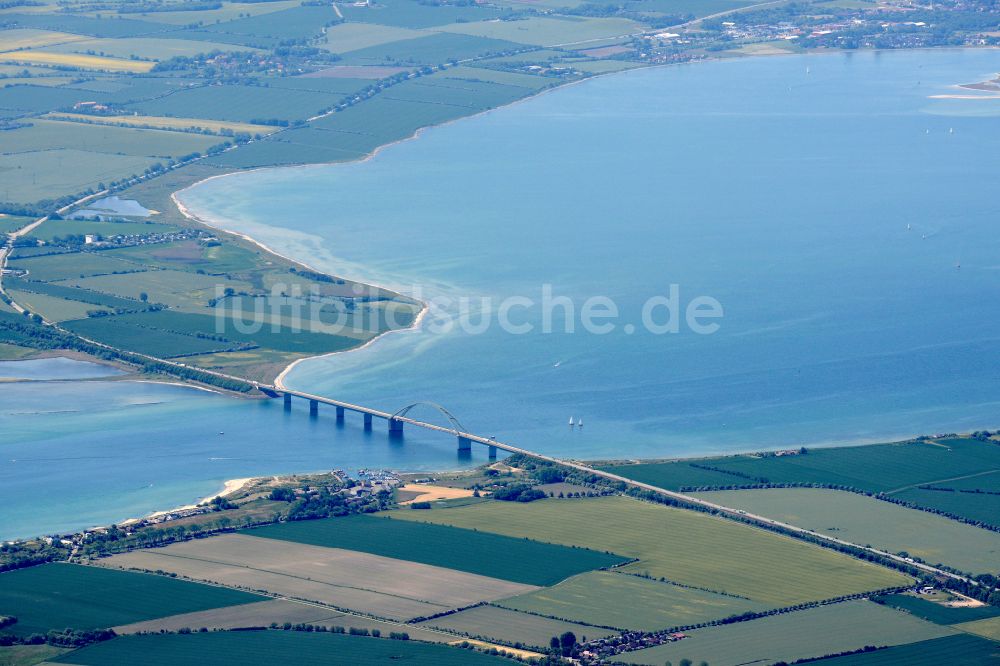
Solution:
(580, 422)
(571, 422)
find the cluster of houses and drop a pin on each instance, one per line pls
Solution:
(96, 241)
(372, 482)
(629, 641)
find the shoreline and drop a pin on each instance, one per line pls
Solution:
(279, 379)
(229, 487)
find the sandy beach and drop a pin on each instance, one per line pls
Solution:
(230, 487)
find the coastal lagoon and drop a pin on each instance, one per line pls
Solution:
(839, 210)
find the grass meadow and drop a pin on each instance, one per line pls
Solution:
(682, 546)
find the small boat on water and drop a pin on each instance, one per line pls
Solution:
(571, 422)
(580, 423)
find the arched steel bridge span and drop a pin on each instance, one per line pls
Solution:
(396, 420)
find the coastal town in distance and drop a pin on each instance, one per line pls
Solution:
(447, 332)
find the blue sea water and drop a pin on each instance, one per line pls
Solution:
(54, 369)
(842, 215)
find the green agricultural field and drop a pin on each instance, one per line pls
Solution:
(83, 25)
(265, 648)
(346, 135)
(178, 289)
(55, 228)
(29, 655)
(11, 223)
(549, 31)
(147, 48)
(678, 475)
(227, 12)
(152, 341)
(39, 99)
(57, 596)
(712, 553)
(282, 339)
(517, 560)
(303, 22)
(53, 308)
(241, 103)
(71, 294)
(472, 94)
(974, 506)
(499, 624)
(798, 635)
(10, 352)
(629, 602)
(190, 255)
(976, 497)
(71, 265)
(467, 73)
(31, 177)
(865, 520)
(110, 139)
(936, 612)
(878, 468)
(988, 628)
(353, 36)
(431, 49)
(408, 14)
(960, 650)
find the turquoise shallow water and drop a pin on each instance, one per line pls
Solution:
(783, 193)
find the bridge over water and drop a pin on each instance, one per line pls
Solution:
(396, 420)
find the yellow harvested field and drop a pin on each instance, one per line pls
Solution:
(77, 60)
(28, 38)
(165, 122)
(382, 586)
(429, 493)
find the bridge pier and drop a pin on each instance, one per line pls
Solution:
(340, 414)
(313, 408)
(288, 401)
(368, 421)
(395, 427)
(493, 453)
(464, 443)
